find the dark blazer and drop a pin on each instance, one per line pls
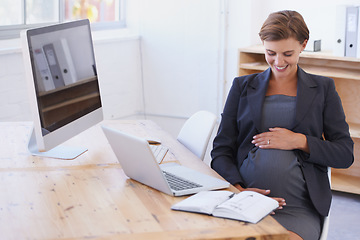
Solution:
(319, 115)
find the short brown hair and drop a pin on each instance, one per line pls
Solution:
(283, 25)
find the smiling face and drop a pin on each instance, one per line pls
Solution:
(283, 56)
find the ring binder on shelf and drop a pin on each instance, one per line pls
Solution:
(65, 61)
(358, 32)
(53, 65)
(352, 20)
(340, 31)
(45, 82)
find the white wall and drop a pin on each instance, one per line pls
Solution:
(119, 70)
(180, 42)
(13, 93)
(319, 15)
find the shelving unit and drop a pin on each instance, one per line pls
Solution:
(346, 74)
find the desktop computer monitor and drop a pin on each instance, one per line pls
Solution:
(63, 86)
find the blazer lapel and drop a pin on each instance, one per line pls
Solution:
(256, 94)
(306, 92)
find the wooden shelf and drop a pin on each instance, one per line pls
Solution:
(260, 66)
(323, 71)
(345, 183)
(64, 104)
(70, 102)
(78, 83)
(346, 74)
(355, 130)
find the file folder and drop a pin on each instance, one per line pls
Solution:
(53, 65)
(65, 61)
(340, 31)
(352, 20)
(358, 36)
(44, 78)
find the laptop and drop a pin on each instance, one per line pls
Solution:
(139, 163)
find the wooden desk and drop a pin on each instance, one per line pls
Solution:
(90, 197)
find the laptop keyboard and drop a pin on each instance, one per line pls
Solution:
(159, 151)
(176, 183)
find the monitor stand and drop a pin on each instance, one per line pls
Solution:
(60, 152)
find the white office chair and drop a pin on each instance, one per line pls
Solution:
(196, 132)
(325, 228)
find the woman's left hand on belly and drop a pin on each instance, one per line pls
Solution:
(281, 138)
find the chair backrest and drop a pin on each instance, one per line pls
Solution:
(325, 228)
(196, 132)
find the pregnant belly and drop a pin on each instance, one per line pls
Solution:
(277, 170)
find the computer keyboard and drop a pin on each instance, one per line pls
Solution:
(178, 183)
(159, 151)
